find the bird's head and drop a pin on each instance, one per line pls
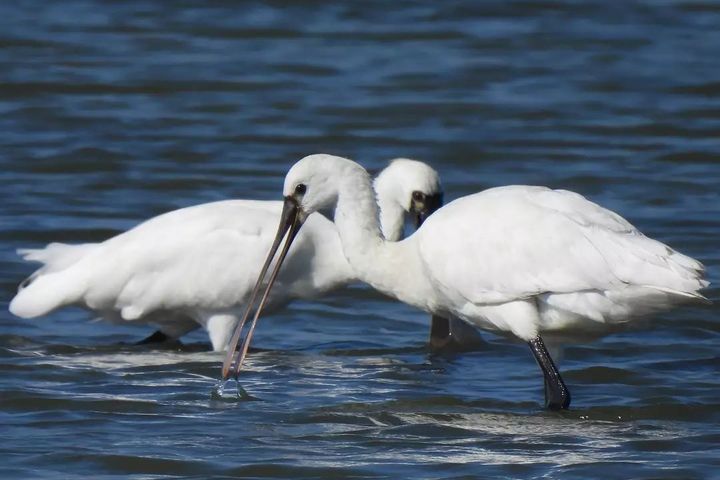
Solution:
(310, 185)
(313, 184)
(413, 185)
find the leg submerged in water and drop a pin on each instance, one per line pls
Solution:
(557, 395)
(453, 335)
(439, 333)
(171, 326)
(155, 338)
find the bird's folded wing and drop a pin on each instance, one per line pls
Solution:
(514, 242)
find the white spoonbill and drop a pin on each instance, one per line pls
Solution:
(196, 266)
(518, 259)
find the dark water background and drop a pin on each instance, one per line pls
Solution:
(111, 112)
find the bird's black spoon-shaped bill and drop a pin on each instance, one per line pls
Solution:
(431, 204)
(291, 219)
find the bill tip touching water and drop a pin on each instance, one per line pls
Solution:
(414, 186)
(518, 260)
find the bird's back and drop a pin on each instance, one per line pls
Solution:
(517, 242)
(201, 257)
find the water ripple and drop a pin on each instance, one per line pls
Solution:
(111, 112)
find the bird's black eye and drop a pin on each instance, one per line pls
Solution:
(418, 196)
(300, 189)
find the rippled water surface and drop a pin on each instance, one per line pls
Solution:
(111, 112)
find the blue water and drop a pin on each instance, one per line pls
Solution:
(112, 112)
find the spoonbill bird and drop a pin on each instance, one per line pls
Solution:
(195, 266)
(518, 259)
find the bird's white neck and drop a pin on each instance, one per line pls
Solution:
(383, 264)
(392, 219)
(389, 192)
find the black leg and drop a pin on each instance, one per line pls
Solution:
(557, 395)
(439, 333)
(157, 337)
(452, 335)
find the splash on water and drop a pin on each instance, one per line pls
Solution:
(224, 391)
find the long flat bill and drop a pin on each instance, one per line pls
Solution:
(291, 219)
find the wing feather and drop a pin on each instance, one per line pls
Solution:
(194, 257)
(509, 243)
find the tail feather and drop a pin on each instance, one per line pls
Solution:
(52, 285)
(56, 256)
(45, 293)
(643, 261)
(691, 295)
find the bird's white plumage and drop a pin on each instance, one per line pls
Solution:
(395, 188)
(197, 265)
(576, 260)
(517, 259)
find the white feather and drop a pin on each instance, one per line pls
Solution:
(518, 259)
(197, 266)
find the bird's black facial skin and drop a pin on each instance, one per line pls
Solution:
(424, 205)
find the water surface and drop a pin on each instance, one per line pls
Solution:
(112, 112)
